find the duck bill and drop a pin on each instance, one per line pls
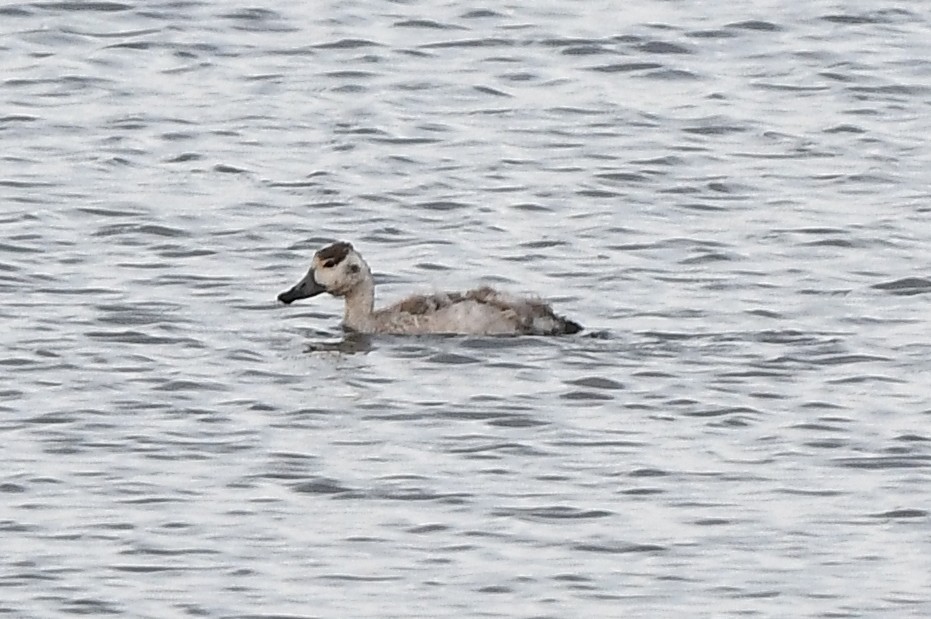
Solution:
(304, 289)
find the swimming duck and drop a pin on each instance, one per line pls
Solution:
(341, 271)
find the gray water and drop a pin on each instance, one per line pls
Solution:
(733, 198)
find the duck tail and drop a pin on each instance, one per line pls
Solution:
(569, 327)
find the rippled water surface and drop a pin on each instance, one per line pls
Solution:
(733, 199)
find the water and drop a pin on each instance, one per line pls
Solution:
(734, 201)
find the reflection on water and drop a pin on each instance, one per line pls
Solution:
(351, 343)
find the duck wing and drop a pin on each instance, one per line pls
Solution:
(533, 316)
(423, 304)
(481, 310)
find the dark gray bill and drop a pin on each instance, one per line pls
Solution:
(304, 289)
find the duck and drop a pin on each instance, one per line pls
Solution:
(338, 269)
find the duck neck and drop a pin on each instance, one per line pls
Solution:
(360, 304)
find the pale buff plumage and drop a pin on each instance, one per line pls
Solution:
(341, 271)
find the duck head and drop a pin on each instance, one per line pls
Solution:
(337, 269)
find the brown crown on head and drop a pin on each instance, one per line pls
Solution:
(335, 252)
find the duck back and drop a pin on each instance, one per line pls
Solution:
(482, 311)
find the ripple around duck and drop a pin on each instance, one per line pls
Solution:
(906, 286)
(552, 514)
(885, 462)
(620, 548)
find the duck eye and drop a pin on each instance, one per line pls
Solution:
(354, 268)
(328, 264)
